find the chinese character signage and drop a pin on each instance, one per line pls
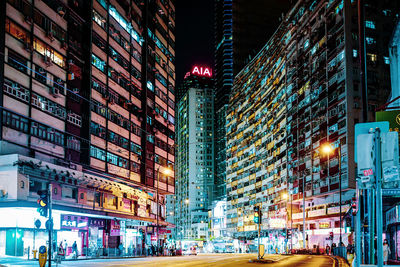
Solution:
(114, 228)
(72, 222)
(95, 222)
(393, 117)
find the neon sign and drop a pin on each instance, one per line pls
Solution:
(201, 71)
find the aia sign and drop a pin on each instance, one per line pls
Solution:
(201, 71)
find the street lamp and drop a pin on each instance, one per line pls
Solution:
(328, 149)
(285, 196)
(165, 171)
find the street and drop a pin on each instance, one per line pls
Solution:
(199, 260)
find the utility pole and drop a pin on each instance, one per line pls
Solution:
(358, 255)
(50, 223)
(304, 214)
(259, 229)
(158, 178)
(340, 193)
(378, 181)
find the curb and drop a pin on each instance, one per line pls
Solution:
(101, 258)
(339, 261)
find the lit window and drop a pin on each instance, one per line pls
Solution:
(150, 86)
(99, 19)
(306, 44)
(387, 60)
(370, 40)
(98, 63)
(355, 53)
(372, 57)
(370, 24)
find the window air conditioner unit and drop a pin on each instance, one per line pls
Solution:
(54, 91)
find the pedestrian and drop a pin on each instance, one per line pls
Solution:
(60, 253)
(121, 249)
(75, 249)
(386, 251)
(327, 249)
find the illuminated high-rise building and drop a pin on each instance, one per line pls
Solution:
(195, 156)
(87, 105)
(301, 91)
(242, 27)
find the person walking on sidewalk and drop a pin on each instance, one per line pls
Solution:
(60, 253)
(386, 251)
(75, 249)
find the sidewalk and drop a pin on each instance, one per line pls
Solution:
(21, 261)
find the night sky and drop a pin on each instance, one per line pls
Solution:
(194, 35)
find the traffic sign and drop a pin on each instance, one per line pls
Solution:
(364, 128)
(38, 223)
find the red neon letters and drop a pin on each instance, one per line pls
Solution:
(201, 71)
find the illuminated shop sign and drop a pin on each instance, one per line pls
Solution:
(72, 222)
(114, 228)
(201, 71)
(324, 225)
(336, 209)
(277, 223)
(316, 213)
(94, 222)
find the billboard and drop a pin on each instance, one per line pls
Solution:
(393, 117)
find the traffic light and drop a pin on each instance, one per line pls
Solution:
(257, 215)
(43, 202)
(354, 206)
(289, 234)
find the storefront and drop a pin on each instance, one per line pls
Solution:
(73, 229)
(18, 233)
(393, 232)
(96, 233)
(94, 236)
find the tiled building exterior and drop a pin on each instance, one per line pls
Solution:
(194, 159)
(301, 91)
(89, 86)
(241, 28)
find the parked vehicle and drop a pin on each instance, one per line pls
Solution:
(191, 251)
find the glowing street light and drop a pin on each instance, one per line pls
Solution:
(186, 201)
(328, 149)
(167, 172)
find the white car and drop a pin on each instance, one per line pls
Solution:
(191, 251)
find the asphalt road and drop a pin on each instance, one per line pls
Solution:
(218, 260)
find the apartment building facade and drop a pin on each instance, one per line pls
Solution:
(300, 92)
(87, 102)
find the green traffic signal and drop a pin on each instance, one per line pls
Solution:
(256, 217)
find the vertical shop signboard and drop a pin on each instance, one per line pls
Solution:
(114, 228)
